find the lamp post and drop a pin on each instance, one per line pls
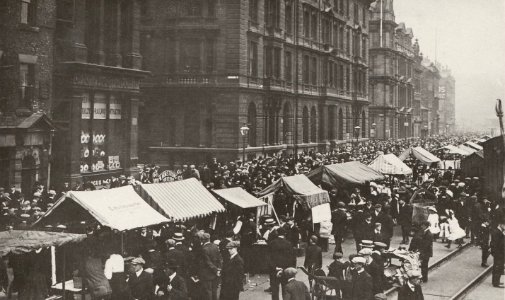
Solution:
(356, 133)
(244, 130)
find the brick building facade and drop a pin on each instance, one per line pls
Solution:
(26, 54)
(294, 71)
(391, 74)
(97, 91)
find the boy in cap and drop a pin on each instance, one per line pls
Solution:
(233, 273)
(294, 290)
(362, 284)
(411, 290)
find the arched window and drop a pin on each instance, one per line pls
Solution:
(340, 124)
(363, 125)
(251, 121)
(305, 125)
(286, 123)
(313, 125)
(331, 122)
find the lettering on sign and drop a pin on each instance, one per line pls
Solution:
(86, 107)
(114, 108)
(105, 81)
(100, 107)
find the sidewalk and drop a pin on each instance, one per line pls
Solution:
(255, 288)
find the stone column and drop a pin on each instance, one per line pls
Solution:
(100, 17)
(79, 49)
(113, 40)
(133, 59)
(74, 141)
(133, 156)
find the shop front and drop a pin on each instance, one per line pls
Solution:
(99, 139)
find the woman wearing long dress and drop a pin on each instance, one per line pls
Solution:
(456, 233)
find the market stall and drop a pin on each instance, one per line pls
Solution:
(181, 200)
(120, 209)
(473, 165)
(23, 242)
(421, 154)
(466, 149)
(450, 149)
(390, 164)
(351, 173)
(301, 188)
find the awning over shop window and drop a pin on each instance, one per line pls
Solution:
(389, 164)
(24, 241)
(239, 197)
(119, 208)
(301, 188)
(420, 154)
(349, 173)
(181, 200)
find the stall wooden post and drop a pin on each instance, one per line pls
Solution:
(63, 273)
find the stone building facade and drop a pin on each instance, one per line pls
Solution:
(97, 88)
(26, 54)
(391, 74)
(294, 71)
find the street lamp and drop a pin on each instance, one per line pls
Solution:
(244, 130)
(356, 133)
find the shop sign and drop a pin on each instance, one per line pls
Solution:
(114, 109)
(100, 107)
(114, 162)
(86, 107)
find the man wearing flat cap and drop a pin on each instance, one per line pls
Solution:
(171, 285)
(233, 273)
(281, 256)
(210, 265)
(339, 221)
(294, 290)
(411, 290)
(362, 285)
(139, 281)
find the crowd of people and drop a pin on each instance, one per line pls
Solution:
(182, 261)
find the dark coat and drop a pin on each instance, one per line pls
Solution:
(404, 215)
(362, 286)
(339, 221)
(381, 237)
(292, 234)
(364, 231)
(377, 273)
(423, 243)
(179, 289)
(497, 245)
(388, 226)
(336, 269)
(405, 293)
(232, 278)
(295, 290)
(210, 262)
(141, 287)
(313, 258)
(281, 254)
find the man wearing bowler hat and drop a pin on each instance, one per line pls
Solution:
(171, 285)
(233, 273)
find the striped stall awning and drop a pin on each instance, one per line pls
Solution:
(181, 200)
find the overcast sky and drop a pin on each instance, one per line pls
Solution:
(469, 37)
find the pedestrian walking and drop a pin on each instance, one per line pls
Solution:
(498, 252)
(423, 243)
(313, 256)
(339, 221)
(140, 282)
(362, 283)
(170, 285)
(281, 257)
(209, 269)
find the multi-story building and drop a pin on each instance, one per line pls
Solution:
(26, 54)
(293, 71)
(391, 74)
(97, 88)
(447, 98)
(429, 87)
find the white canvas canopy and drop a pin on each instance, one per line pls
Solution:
(420, 154)
(119, 208)
(389, 164)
